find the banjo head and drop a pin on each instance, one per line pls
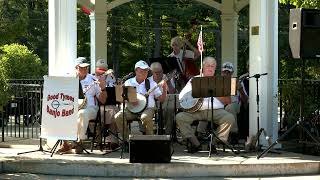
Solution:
(187, 101)
(139, 106)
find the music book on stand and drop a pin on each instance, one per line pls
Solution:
(132, 93)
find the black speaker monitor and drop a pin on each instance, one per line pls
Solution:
(304, 33)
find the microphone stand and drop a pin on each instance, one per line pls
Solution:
(259, 131)
(124, 97)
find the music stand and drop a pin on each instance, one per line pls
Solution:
(168, 64)
(110, 100)
(203, 87)
(123, 94)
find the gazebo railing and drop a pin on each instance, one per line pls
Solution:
(289, 107)
(21, 117)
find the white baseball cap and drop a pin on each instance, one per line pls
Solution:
(81, 62)
(141, 64)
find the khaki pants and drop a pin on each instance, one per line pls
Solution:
(224, 119)
(84, 115)
(169, 112)
(145, 117)
(233, 108)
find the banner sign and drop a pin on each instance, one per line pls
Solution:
(60, 107)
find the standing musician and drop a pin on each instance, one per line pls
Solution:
(109, 108)
(167, 109)
(141, 83)
(93, 90)
(185, 57)
(221, 117)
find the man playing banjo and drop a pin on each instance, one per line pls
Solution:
(221, 117)
(143, 87)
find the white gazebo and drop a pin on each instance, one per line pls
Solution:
(263, 39)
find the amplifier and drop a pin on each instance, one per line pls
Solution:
(149, 148)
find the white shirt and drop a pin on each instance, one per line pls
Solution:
(141, 89)
(90, 89)
(188, 54)
(110, 80)
(206, 101)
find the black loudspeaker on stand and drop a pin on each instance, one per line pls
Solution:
(304, 29)
(299, 122)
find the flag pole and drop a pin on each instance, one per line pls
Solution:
(202, 48)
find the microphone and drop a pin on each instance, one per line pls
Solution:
(257, 75)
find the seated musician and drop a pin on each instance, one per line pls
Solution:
(109, 109)
(93, 91)
(142, 85)
(221, 117)
(167, 87)
(234, 106)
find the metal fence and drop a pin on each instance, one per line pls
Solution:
(21, 118)
(289, 108)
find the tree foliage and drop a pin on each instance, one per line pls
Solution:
(25, 22)
(315, 4)
(3, 87)
(19, 62)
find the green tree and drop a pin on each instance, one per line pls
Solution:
(25, 22)
(20, 63)
(3, 87)
(302, 3)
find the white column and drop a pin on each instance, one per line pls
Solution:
(62, 37)
(264, 59)
(229, 39)
(98, 21)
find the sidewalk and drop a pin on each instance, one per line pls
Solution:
(182, 165)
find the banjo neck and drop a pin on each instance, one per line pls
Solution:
(165, 79)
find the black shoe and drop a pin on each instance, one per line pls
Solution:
(193, 149)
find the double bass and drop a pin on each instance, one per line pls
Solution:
(191, 68)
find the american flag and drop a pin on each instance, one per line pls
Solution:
(200, 42)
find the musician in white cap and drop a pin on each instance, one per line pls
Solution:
(221, 117)
(142, 85)
(93, 90)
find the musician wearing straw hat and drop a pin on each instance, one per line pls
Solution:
(93, 90)
(221, 117)
(141, 83)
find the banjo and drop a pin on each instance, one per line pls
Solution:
(189, 103)
(142, 100)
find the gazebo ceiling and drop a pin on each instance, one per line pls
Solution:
(237, 4)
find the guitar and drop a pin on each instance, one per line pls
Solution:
(142, 100)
